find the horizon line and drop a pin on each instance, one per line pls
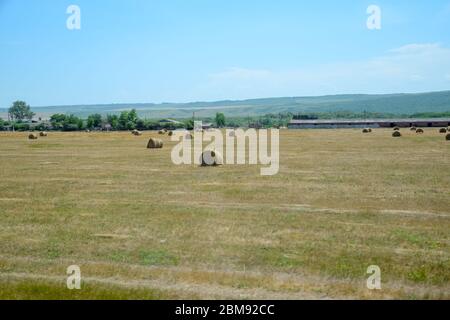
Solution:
(233, 100)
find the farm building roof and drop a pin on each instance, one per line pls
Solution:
(350, 121)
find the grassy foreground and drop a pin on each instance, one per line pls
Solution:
(140, 227)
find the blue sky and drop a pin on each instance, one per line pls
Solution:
(179, 51)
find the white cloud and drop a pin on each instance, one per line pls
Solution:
(410, 68)
(415, 48)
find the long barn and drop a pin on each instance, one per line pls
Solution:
(371, 123)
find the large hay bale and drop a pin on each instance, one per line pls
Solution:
(366, 130)
(170, 133)
(413, 129)
(43, 133)
(396, 129)
(420, 131)
(155, 143)
(211, 158)
(161, 132)
(443, 130)
(396, 134)
(447, 137)
(32, 136)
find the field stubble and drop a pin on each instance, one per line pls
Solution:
(141, 227)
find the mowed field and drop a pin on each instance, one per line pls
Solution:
(140, 227)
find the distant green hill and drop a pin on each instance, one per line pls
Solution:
(400, 104)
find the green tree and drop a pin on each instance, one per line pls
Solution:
(220, 119)
(123, 120)
(66, 122)
(130, 125)
(94, 121)
(128, 120)
(151, 124)
(57, 120)
(140, 124)
(132, 116)
(72, 123)
(189, 124)
(113, 120)
(20, 111)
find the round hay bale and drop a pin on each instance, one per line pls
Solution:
(396, 134)
(413, 129)
(87, 130)
(43, 134)
(447, 137)
(396, 129)
(211, 158)
(420, 131)
(161, 132)
(32, 136)
(365, 130)
(155, 144)
(442, 130)
(170, 133)
(136, 133)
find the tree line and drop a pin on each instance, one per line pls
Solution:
(20, 116)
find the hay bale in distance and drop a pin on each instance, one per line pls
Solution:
(413, 129)
(211, 158)
(161, 132)
(396, 134)
(43, 133)
(447, 137)
(396, 129)
(366, 130)
(442, 130)
(136, 132)
(170, 133)
(155, 144)
(419, 131)
(32, 136)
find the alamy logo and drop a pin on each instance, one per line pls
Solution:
(374, 20)
(74, 277)
(74, 20)
(374, 280)
(232, 143)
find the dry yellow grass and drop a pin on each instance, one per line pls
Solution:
(134, 221)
